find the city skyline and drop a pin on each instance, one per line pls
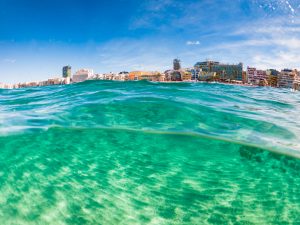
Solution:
(37, 39)
(205, 71)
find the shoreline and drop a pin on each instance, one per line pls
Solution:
(10, 87)
(62, 82)
(30, 84)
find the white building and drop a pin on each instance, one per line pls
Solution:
(123, 75)
(6, 86)
(109, 76)
(82, 75)
(98, 76)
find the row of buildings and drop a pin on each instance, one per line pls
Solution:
(285, 78)
(202, 71)
(51, 81)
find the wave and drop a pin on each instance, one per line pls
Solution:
(149, 153)
(252, 116)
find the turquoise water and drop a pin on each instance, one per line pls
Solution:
(104, 152)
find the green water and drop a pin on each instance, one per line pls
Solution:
(145, 153)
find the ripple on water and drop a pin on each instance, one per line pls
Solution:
(149, 153)
(83, 176)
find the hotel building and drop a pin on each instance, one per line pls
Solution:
(223, 71)
(176, 64)
(82, 75)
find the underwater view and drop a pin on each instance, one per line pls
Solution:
(105, 152)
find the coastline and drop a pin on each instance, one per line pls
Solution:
(30, 84)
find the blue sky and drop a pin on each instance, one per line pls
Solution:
(38, 37)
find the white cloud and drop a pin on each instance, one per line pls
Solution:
(288, 7)
(193, 42)
(264, 43)
(8, 60)
(132, 54)
(279, 60)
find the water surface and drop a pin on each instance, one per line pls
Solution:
(104, 152)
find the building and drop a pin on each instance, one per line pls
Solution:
(167, 75)
(186, 76)
(223, 71)
(67, 71)
(272, 77)
(262, 78)
(50, 81)
(98, 76)
(162, 77)
(194, 73)
(207, 76)
(6, 86)
(124, 75)
(244, 77)
(144, 75)
(43, 83)
(251, 75)
(256, 77)
(198, 74)
(229, 71)
(173, 75)
(67, 80)
(261, 75)
(56, 81)
(206, 65)
(136, 75)
(286, 78)
(110, 76)
(296, 83)
(176, 64)
(82, 75)
(151, 76)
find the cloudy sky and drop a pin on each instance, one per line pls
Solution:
(38, 37)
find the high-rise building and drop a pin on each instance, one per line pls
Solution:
(206, 66)
(66, 71)
(176, 64)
